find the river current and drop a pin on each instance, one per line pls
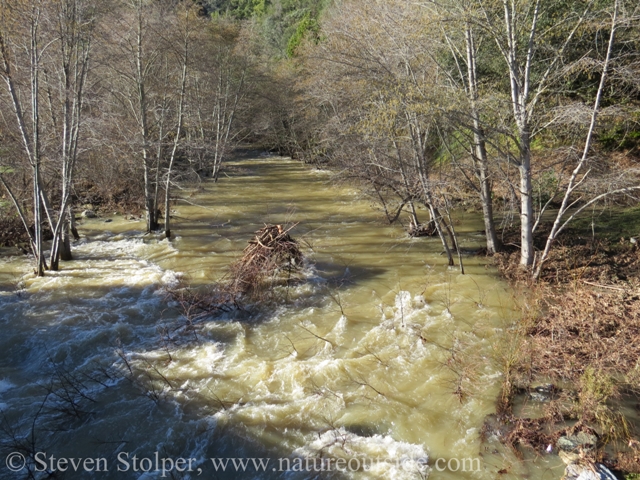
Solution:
(383, 358)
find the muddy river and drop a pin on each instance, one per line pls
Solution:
(381, 364)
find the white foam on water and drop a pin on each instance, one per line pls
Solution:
(293, 394)
(110, 296)
(5, 385)
(282, 394)
(108, 263)
(339, 329)
(379, 455)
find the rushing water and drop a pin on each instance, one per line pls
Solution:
(361, 361)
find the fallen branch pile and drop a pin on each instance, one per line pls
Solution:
(271, 252)
(271, 258)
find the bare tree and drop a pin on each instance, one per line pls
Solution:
(73, 25)
(515, 29)
(134, 71)
(536, 44)
(184, 62)
(581, 172)
(20, 32)
(222, 80)
(57, 36)
(375, 78)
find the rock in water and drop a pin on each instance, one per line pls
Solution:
(595, 471)
(89, 214)
(543, 393)
(572, 443)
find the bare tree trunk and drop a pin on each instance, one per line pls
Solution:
(435, 218)
(35, 131)
(69, 228)
(54, 256)
(519, 79)
(486, 197)
(480, 157)
(183, 88)
(526, 206)
(414, 221)
(37, 222)
(30, 136)
(65, 251)
(454, 236)
(150, 205)
(159, 151)
(448, 226)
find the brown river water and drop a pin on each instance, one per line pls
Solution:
(360, 363)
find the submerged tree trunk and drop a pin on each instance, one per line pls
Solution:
(65, 250)
(435, 218)
(37, 222)
(141, 72)
(414, 222)
(72, 224)
(486, 196)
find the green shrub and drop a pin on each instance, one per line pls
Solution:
(306, 26)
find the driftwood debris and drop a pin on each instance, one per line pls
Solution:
(271, 258)
(271, 252)
(422, 229)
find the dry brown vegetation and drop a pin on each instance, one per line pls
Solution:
(12, 232)
(581, 330)
(584, 328)
(587, 307)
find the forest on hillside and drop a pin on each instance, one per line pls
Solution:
(526, 113)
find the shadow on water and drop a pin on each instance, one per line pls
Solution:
(95, 387)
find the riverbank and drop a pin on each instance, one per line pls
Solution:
(577, 367)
